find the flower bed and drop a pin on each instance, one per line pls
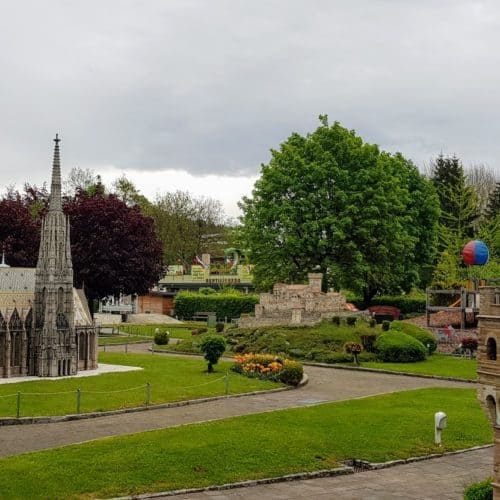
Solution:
(269, 367)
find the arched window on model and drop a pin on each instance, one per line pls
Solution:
(491, 349)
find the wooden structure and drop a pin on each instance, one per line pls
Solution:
(156, 302)
(463, 301)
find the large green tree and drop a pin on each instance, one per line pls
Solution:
(329, 202)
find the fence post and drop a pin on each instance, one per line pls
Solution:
(126, 347)
(78, 400)
(18, 410)
(152, 347)
(226, 383)
(104, 346)
(148, 393)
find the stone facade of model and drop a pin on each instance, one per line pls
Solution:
(296, 305)
(489, 367)
(45, 325)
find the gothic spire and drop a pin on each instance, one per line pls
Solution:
(55, 187)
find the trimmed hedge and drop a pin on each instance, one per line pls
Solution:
(397, 347)
(225, 305)
(292, 372)
(406, 304)
(417, 333)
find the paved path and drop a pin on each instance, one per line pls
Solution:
(325, 384)
(445, 476)
(439, 478)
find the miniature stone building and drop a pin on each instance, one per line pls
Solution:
(489, 367)
(45, 324)
(296, 305)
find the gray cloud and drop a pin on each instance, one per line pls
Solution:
(210, 87)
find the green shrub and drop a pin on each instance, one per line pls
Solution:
(292, 372)
(368, 341)
(367, 356)
(162, 338)
(331, 357)
(192, 346)
(397, 347)
(225, 305)
(386, 324)
(351, 320)
(219, 327)
(372, 322)
(213, 346)
(336, 320)
(427, 338)
(479, 491)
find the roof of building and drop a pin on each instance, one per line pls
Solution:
(17, 290)
(17, 279)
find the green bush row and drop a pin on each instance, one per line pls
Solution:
(427, 339)
(406, 304)
(226, 305)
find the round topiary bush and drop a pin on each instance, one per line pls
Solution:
(424, 336)
(162, 338)
(397, 347)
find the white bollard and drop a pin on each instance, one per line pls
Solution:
(440, 421)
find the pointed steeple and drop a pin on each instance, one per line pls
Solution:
(55, 186)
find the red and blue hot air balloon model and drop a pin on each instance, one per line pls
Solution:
(475, 253)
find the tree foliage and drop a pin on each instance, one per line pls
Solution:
(213, 346)
(187, 226)
(115, 249)
(19, 232)
(329, 202)
(493, 205)
(458, 200)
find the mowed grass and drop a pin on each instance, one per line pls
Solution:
(392, 426)
(178, 331)
(122, 339)
(437, 364)
(171, 379)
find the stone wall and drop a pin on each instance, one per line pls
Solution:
(489, 367)
(296, 305)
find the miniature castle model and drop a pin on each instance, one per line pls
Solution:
(489, 368)
(45, 324)
(296, 305)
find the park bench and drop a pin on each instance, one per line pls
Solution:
(381, 313)
(203, 315)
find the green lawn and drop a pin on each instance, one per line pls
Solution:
(171, 379)
(178, 331)
(377, 429)
(122, 339)
(437, 364)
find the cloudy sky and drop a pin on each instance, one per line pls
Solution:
(192, 94)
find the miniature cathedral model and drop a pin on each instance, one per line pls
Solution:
(45, 325)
